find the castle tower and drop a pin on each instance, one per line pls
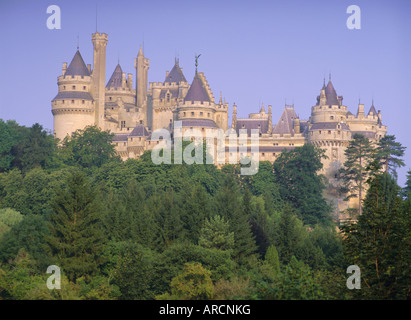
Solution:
(120, 107)
(73, 107)
(142, 65)
(163, 97)
(99, 76)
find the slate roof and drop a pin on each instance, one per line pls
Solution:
(197, 91)
(329, 126)
(331, 94)
(372, 109)
(198, 123)
(116, 78)
(367, 134)
(77, 66)
(250, 124)
(286, 123)
(173, 93)
(175, 75)
(139, 131)
(73, 95)
(120, 137)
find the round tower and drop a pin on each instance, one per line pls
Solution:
(73, 107)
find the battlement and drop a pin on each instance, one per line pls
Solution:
(71, 79)
(99, 36)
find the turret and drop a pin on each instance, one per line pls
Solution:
(73, 106)
(99, 76)
(142, 65)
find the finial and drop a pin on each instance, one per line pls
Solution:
(221, 98)
(324, 83)
(329, 76)
(196, 59)
(78, 41)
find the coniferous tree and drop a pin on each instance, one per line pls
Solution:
(271, 258)
(389, 153)
(76, 238)
(230, 206)
(354, 174)
(300, 184)
(379, 243)
(289, 234)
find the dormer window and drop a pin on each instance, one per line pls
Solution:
(168, 97)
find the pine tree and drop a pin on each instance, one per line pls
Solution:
(289, 234)
(389, 153)
(271, 258)
(379, 243)
(76, 237)
(354, 174)
(230, 206)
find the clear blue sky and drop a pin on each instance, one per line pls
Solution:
(252, 51)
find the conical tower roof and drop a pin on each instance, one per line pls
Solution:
(77, 66)
(197, 92)
(175, 75)
(331, 94)
(116, 78)
(372, 109)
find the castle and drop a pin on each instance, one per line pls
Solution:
(132, 114)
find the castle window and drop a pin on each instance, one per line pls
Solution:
(82, 101)
(74, 87)
(192, 113)
(122, 124)
(329, 131)
(64, 87)
(208, 115)
(202, 114)
(63, 101)
(168, 97)
(109, 98)
(84, 87)
(262, 154)
(72, 101)
(274, 154)
(331, 117)
(320, 131)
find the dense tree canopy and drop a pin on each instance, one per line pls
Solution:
(137, 230)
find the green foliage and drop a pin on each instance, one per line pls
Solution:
(389, 153)
(354, 174)
(90, 147)
(76, 237)
(215, 234)
(132, 272)
(27, 235)
(299, 184)
(127, 230)
(379, 243)
(271, 258)
(193, 284)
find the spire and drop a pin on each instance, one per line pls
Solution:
(331, 94)
(197, 92)
(221, 99)
(262, 110)
(176, 74)
(77, 66)
(372, 109)
(116, 78)
(140, 52)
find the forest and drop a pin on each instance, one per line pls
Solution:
(134, 230)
